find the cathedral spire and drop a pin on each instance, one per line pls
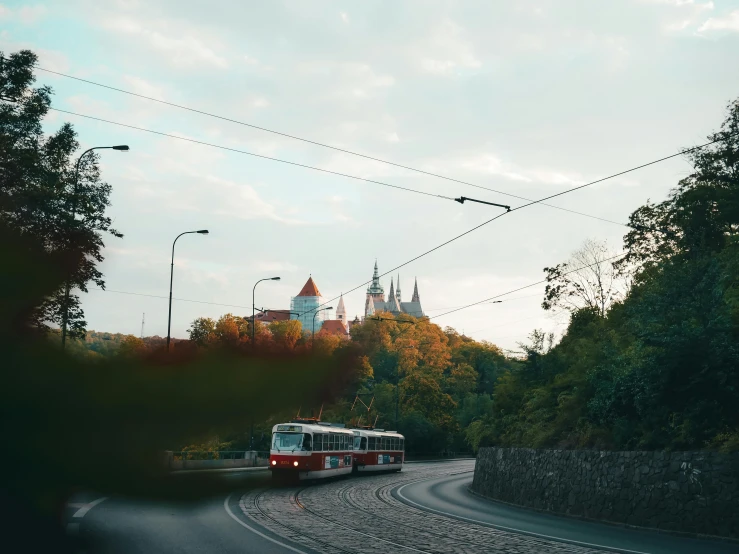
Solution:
(391, 294)
(415, 298)
(375, 287)
(397, 292)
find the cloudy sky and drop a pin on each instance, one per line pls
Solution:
(528, 98)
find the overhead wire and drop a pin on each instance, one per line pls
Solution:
(317, 143)
(530, 202)
(619, 255)
(533, 202)
(247, 153)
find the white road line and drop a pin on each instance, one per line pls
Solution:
(250, 528)
(89, 506)
(504, 528)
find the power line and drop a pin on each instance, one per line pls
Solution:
(316, 143)
(167, 297)
(236, 150)
(620, 255)
(506, 300)
(681, 153)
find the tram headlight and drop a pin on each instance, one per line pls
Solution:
(274, 462)
(295, 463)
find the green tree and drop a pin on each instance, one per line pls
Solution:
(286, 333)
(38, 189)
(202, 331)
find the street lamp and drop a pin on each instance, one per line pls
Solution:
(313, 337)
(65, 317)
(171, 278)
(253, 304)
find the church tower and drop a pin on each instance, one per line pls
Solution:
(341, 312)
(415, 298)
(375, 292)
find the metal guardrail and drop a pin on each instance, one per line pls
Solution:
(218, 454)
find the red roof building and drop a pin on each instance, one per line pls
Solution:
(310, 289)
(335, 327)
(268, 316)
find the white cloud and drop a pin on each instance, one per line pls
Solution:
(345, 17)
(240, 200)
(31, 14)
(143, 87)
(276, 266)
(181, 46)
(447, 49)
(728, 23)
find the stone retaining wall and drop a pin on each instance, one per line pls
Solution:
(693, 492)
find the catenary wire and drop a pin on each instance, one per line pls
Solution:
(246, 152)
(321, 144)
(573, 189)
(620, 255)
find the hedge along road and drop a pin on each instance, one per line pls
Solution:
(364, 514)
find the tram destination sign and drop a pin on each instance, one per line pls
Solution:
(290, 428)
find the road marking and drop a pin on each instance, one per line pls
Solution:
(250, 528)
(89, 506)
(503, 527)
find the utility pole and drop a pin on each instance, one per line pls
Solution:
(143, 318)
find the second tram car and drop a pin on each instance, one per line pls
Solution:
(378, 450)
(310, 450)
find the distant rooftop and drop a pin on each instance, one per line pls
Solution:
(310, 288)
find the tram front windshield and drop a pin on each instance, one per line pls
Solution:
(291, 441)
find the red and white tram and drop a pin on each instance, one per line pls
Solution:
(378, 450)
(310, 450)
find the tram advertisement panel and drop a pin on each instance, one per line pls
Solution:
(331, 462)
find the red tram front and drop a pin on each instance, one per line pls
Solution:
(313, 450)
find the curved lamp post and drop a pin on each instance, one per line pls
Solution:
(253, 306)
(313, 336)
(171, 279)
(121, 147)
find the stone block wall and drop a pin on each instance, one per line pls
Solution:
(693, 492)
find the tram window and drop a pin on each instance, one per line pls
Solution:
(373, 443)
(307, 446)
(331, 442)
(357, 442)
(402, 444)
(384, 443)
(363, 444)
(317, 442)
(392, 443)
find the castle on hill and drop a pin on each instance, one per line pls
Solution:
(394, 304)
(308, 307)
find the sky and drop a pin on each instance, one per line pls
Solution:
(528, 98)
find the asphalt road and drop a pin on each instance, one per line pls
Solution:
(425, 508)
(449, 495)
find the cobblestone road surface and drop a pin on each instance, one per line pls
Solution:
(361, 515)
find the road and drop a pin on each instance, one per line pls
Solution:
(426, 508)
